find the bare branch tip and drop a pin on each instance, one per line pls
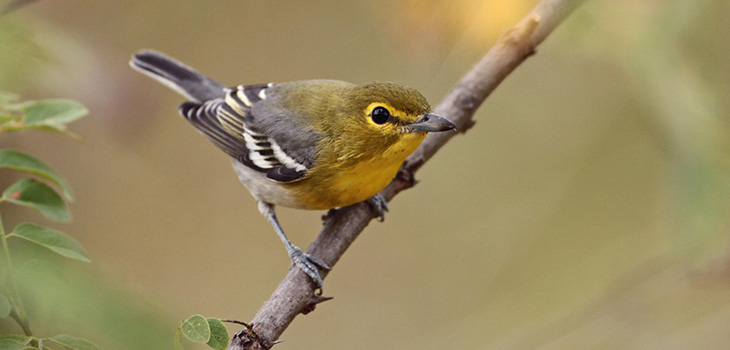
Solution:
(406, 177)
(529, 26)
(312, 303)
(468, 125)
(522, 31)
(410, 167)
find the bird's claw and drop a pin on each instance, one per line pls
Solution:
(308, 264)
(379, 205)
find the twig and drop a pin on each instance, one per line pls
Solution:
(295, 293)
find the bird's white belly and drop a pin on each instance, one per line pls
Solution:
(263, 188)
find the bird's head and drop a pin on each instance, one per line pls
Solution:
(384, 119)
(392, 109)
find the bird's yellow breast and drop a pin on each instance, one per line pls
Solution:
(358, 182)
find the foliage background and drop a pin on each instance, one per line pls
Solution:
(587, 208)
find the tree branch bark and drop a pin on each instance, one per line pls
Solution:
(295, 294)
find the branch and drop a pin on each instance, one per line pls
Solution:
(295, 293)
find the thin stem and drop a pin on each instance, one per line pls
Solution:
(19, 314)
(249, 326)
(22, 322)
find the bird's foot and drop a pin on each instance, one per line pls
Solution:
(379, 205)
(309, 265)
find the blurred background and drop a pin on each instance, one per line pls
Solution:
(588, 207)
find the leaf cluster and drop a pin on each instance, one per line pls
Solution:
(22, 342)
(52, 114)
(36, 192)
(202, 330)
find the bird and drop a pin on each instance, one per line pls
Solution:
(310, 144)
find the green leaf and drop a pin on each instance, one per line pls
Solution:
(11, 344)
(59, 128)
(4, 307)
(53, 113)
(218, 334)
(17, 337)
(39, 196)
(196, 329)
(22, 162)
(54, 240)
(4, 118)
(6, 97)
(73, 343)
(177, 341)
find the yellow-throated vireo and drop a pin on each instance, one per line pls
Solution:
(312, 144)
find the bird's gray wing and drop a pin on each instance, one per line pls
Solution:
(254, 129)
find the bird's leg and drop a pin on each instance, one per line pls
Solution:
(305, 262)
(379, 205)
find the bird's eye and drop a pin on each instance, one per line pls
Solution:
(380, 115)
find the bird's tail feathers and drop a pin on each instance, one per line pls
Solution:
(177, 76)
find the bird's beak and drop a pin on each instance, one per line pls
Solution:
(430, 122)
